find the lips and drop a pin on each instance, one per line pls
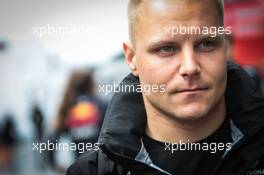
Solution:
(191, 90)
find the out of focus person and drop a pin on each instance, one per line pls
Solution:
(38, 121)
(37, 118)
(8, 139)
(81, 112)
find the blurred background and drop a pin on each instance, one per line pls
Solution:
(55, 54)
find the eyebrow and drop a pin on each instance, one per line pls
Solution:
(209, 37)
(156, 44)
(217, 38)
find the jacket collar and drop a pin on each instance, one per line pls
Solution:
(125, 119)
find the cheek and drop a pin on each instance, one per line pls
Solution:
(215, 69)
(154, 71)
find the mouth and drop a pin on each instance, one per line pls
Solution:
(191, 90)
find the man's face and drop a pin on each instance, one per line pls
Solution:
(192, 67)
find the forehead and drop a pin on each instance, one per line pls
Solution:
(179, 9)
(154, 16)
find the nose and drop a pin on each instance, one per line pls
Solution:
(189, 65)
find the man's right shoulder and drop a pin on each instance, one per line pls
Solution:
(92, 163)
(86, 164)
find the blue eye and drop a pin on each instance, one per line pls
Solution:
(166, 51)
(206, 46)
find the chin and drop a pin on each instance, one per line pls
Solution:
(191, 113)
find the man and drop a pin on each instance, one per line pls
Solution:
(209, 120)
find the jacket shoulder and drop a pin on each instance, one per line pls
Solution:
(86, 164)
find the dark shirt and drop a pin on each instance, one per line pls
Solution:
(189, 162)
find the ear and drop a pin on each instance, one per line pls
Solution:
(130, 57)
(228, 46)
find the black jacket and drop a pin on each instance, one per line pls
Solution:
(121, 151)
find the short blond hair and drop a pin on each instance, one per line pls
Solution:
(132, 11)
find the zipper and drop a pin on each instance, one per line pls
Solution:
(112, 155)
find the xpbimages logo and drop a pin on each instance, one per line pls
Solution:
(256, 172)
(130, 88)
(53, 30)
(196, 146)
(60, 146)
(213, 31)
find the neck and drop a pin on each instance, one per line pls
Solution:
(174, 130)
